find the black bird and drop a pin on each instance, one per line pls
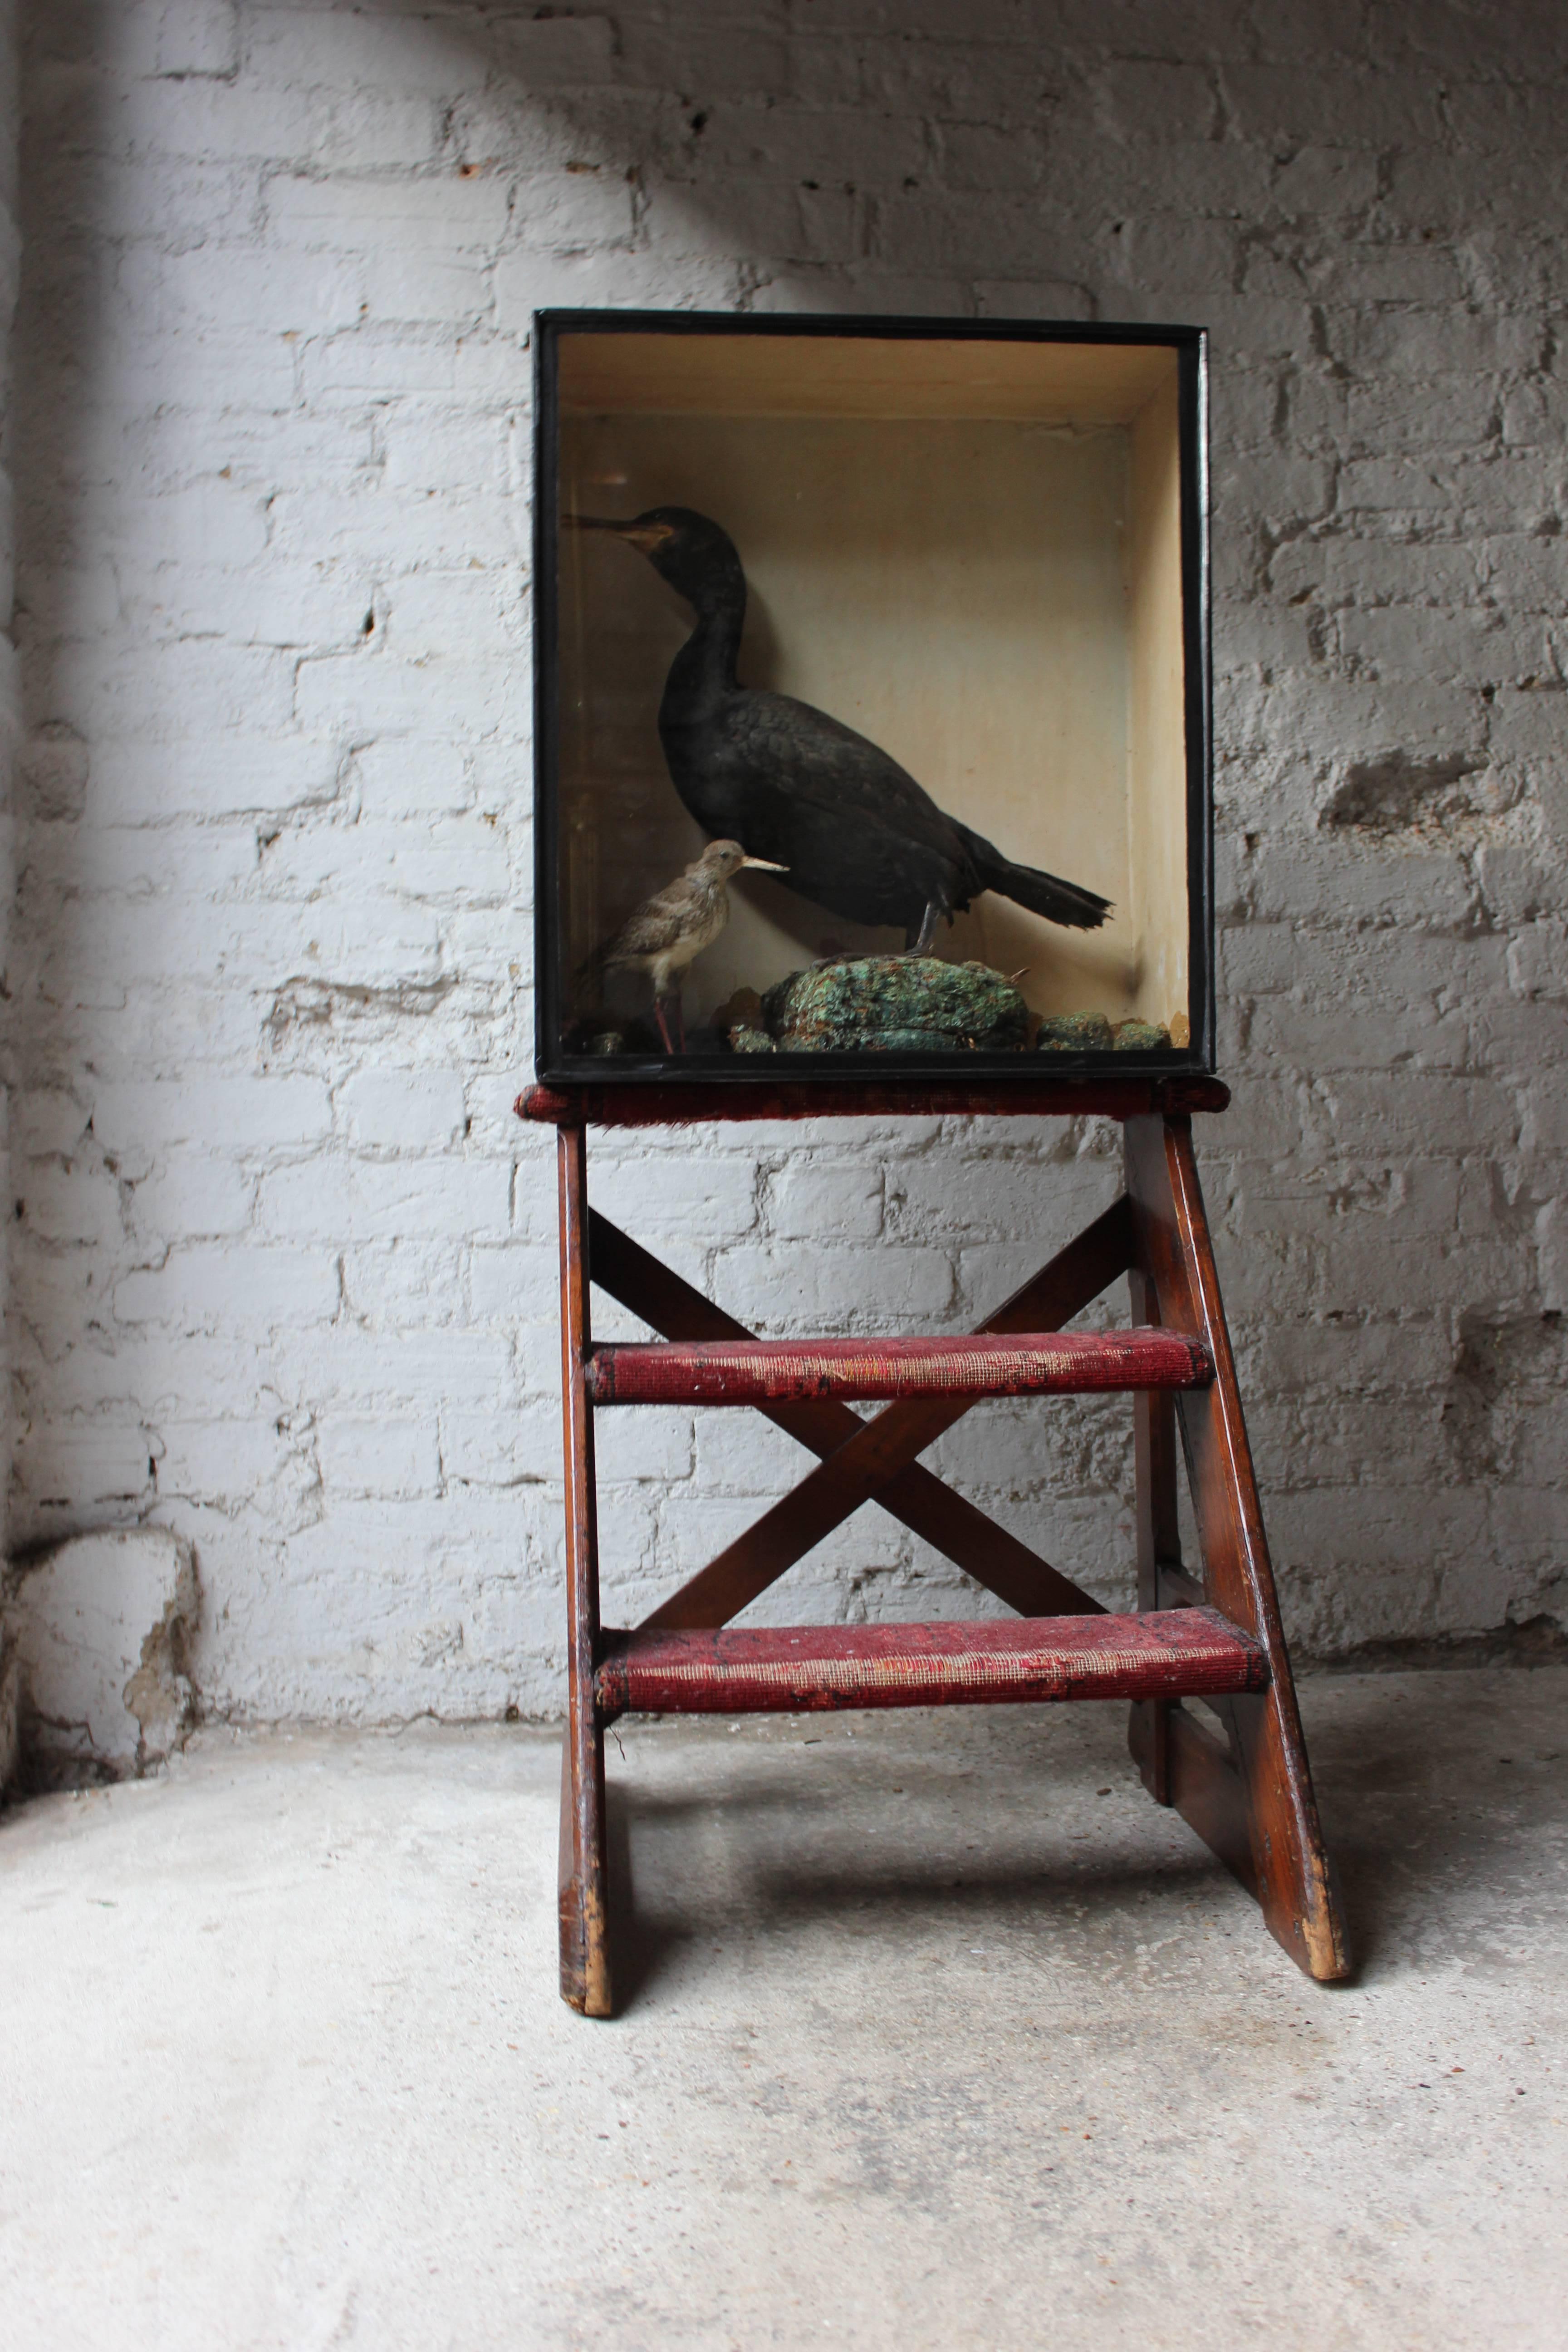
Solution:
(858, 836)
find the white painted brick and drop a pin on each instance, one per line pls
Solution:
(375, 1456)
(44, 1121)
(210, 523)
(219, 1462)
(452, 212)
(419, 780)
(198, 36)
(85, 1467)
(212, 1287)
(652, 1443)
(368, 132)
(231, 1114)
(325, 48)
(426, 286)
(504, 1446)
(446, 452)
(388, 1201)
(833, 1290)
(76, 1202)
(526, 282)
(465, 1370)
(556, 52)
(409, 1110)
(454, 857)
(212, 122)
(815, 1199)
(371, 693)
(514, 1284)
(711, 1200)
(191, 1196)
(267, 939)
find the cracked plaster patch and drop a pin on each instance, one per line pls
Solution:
(100, 1624)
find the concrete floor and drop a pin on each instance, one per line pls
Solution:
(938, 2033)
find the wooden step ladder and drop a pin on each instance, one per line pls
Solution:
(1209, 1630)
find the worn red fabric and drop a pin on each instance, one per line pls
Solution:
(1030, 1364)
(1161, 1653)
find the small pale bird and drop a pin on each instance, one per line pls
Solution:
(671, 931)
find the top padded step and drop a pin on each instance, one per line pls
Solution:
(754, 1372)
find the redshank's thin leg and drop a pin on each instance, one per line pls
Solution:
(661, 1016)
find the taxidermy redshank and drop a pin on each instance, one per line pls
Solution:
(856, 833)
(671, 931)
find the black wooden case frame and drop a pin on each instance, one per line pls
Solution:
(616, 380)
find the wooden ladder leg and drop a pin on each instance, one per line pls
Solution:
(1251, 1799)
(1159, 1542)
(584, 1923)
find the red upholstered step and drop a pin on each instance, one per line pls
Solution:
(753, 1371)
(782, 1670)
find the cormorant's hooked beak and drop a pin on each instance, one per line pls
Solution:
(764, 865)
(647, 538)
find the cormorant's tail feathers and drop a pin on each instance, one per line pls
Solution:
(1044, 894)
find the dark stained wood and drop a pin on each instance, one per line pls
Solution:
(1174, 1589)
(1288, 1862)
(1030, 1364)
(1214, 1636)
(996, 1559)
(1159, 1536)
(784, 1669)
(683, 1102)
(881, 1448)
(584, 1937)
(1205, 1787)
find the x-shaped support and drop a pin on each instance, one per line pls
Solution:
(866, 1461)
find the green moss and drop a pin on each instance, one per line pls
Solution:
(896, 1005)
(1074, 1033)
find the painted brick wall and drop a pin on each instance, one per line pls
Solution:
(282, 1262)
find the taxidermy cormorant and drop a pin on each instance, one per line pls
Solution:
(856, 833)
(671, 931)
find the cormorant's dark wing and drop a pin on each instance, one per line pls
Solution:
(847, 778)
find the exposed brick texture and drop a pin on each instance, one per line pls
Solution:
(282, 1264)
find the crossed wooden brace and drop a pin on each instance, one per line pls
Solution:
(865, 1460)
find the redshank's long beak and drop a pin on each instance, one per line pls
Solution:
(646, 537)
(764, 865)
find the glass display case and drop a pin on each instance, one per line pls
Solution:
(872, 698)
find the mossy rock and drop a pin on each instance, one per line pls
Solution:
(896, 1005)
(1074, 1033)
(1093, 1032)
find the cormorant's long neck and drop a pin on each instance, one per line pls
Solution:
(703, 671)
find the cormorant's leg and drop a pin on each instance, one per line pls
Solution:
(924, 940)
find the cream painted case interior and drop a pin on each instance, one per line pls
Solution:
(970, 553)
